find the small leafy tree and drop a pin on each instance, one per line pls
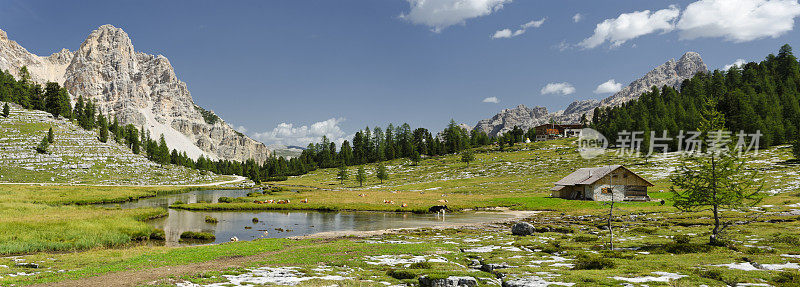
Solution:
(43, 145)
(381, 173)
(713, 179)
(342, 174)
(51, 137)
(467, 156)
(6, 110)
(361, 175)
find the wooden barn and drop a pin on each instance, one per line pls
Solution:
(601, 183)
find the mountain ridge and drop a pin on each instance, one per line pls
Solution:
(671, 73)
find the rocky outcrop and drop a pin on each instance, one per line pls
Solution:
(523, 229)
(521, 116)
(138, 89)
(672, 73)
(41, 69)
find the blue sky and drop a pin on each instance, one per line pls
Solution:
(290, 71)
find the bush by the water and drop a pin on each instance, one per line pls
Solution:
(198, 235)
(158, 234)
(210, 219)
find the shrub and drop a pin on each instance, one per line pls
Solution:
(198, 235)
(789, 278)
(585, 238)
(711, 274)
(253, 194)
(644, 230)
(678, 248)
(592, 262)
(158, 234)
(177, 202)
(617, 254)
(401, 274)
(681, 239)
(210, 219)
(420, 265)
(790, 239)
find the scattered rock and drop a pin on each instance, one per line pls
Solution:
(452, 281)
(523, 229)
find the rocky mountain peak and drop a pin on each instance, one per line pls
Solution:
(136, 88)
(672, 73)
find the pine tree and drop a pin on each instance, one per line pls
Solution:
(51, 137)
(714, 179)
(162, 155)
(342, 174)
(381, 173)
(467, 156)
(415, 157)
(361, 175)
(796, 147)
(103, 128)
(6, 110)
(43, 145)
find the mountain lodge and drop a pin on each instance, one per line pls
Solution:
(602, 184)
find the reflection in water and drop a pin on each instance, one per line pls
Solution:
(281, 224)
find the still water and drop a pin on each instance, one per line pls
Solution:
(249, 225)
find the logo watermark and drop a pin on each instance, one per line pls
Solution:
(592, 143)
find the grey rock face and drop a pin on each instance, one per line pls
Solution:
(523, 229)
(41, 69)
(138, 89)
(452, 281)
(672, 73)
(505, 121)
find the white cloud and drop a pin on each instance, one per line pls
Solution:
(493, 100)
(288, 134)
(533, 24)
(737, 63)
(628, 26)
(558, 88)
(241, 129)
(609, 86)
(507, 33)
(738, 20)
(440, 14)
(577, 18)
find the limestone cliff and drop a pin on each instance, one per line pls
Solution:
(137, 88)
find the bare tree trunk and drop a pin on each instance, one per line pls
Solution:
(715, 232)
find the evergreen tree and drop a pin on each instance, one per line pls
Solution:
(713, 179)
(51, 137)
(43, 145)
(796, 147)
(162, 155)
(6, 110)
(361, 175)
(467, 156)
(103, 128)
(415, 157)
(342, 174)
(381, 173)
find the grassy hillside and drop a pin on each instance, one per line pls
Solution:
(520, 178)
(77, 156)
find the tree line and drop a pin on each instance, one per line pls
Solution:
(761, 97)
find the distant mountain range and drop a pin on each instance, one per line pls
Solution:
(672, 73)
(138, 89)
